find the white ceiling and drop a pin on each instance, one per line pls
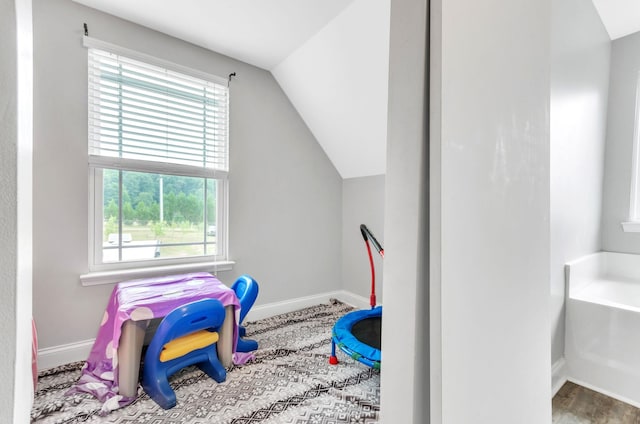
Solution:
(620, 17)
(259, 32)
(340, 45)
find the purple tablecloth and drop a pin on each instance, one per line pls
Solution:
(141, 300)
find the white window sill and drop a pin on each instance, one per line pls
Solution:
(631, 227)
(116, 276)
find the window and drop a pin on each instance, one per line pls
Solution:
(158, 160)
(633, 224)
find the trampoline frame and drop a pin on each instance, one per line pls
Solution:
(342, 337)
(341, 334)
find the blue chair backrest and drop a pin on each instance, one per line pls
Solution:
(199, 315)
(246, 289)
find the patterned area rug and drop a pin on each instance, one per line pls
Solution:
(290, 381)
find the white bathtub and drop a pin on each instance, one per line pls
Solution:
(602, 344)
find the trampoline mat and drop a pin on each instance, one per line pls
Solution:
(368, 331)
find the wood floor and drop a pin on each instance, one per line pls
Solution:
(575, 404)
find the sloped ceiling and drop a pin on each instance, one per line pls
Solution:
(329, 56)
(338, 83)
(620, 17)
(258, 32)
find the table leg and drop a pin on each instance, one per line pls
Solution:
(225, 343)
(129, 352)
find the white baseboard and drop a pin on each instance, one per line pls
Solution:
(79, 351)
(354, 300)
(558, 375)
(50, 357)
(276, 308)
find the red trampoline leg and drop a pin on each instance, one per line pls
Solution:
(333, 359)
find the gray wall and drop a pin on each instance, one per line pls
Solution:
(285, 195)
(362, 203)
(580, 49)
(625, 65)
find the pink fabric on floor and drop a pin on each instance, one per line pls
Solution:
(141, 300)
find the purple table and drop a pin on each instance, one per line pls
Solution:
(139, 301)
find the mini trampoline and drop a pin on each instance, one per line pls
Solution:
(358, 333)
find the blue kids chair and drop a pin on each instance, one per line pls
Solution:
(246, 289)
(186, 336)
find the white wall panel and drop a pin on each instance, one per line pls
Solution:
(16, 108)
(405, 322)
(494, 209)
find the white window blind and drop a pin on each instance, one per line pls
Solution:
(144, 117)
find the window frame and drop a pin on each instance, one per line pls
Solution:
(100, 272)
